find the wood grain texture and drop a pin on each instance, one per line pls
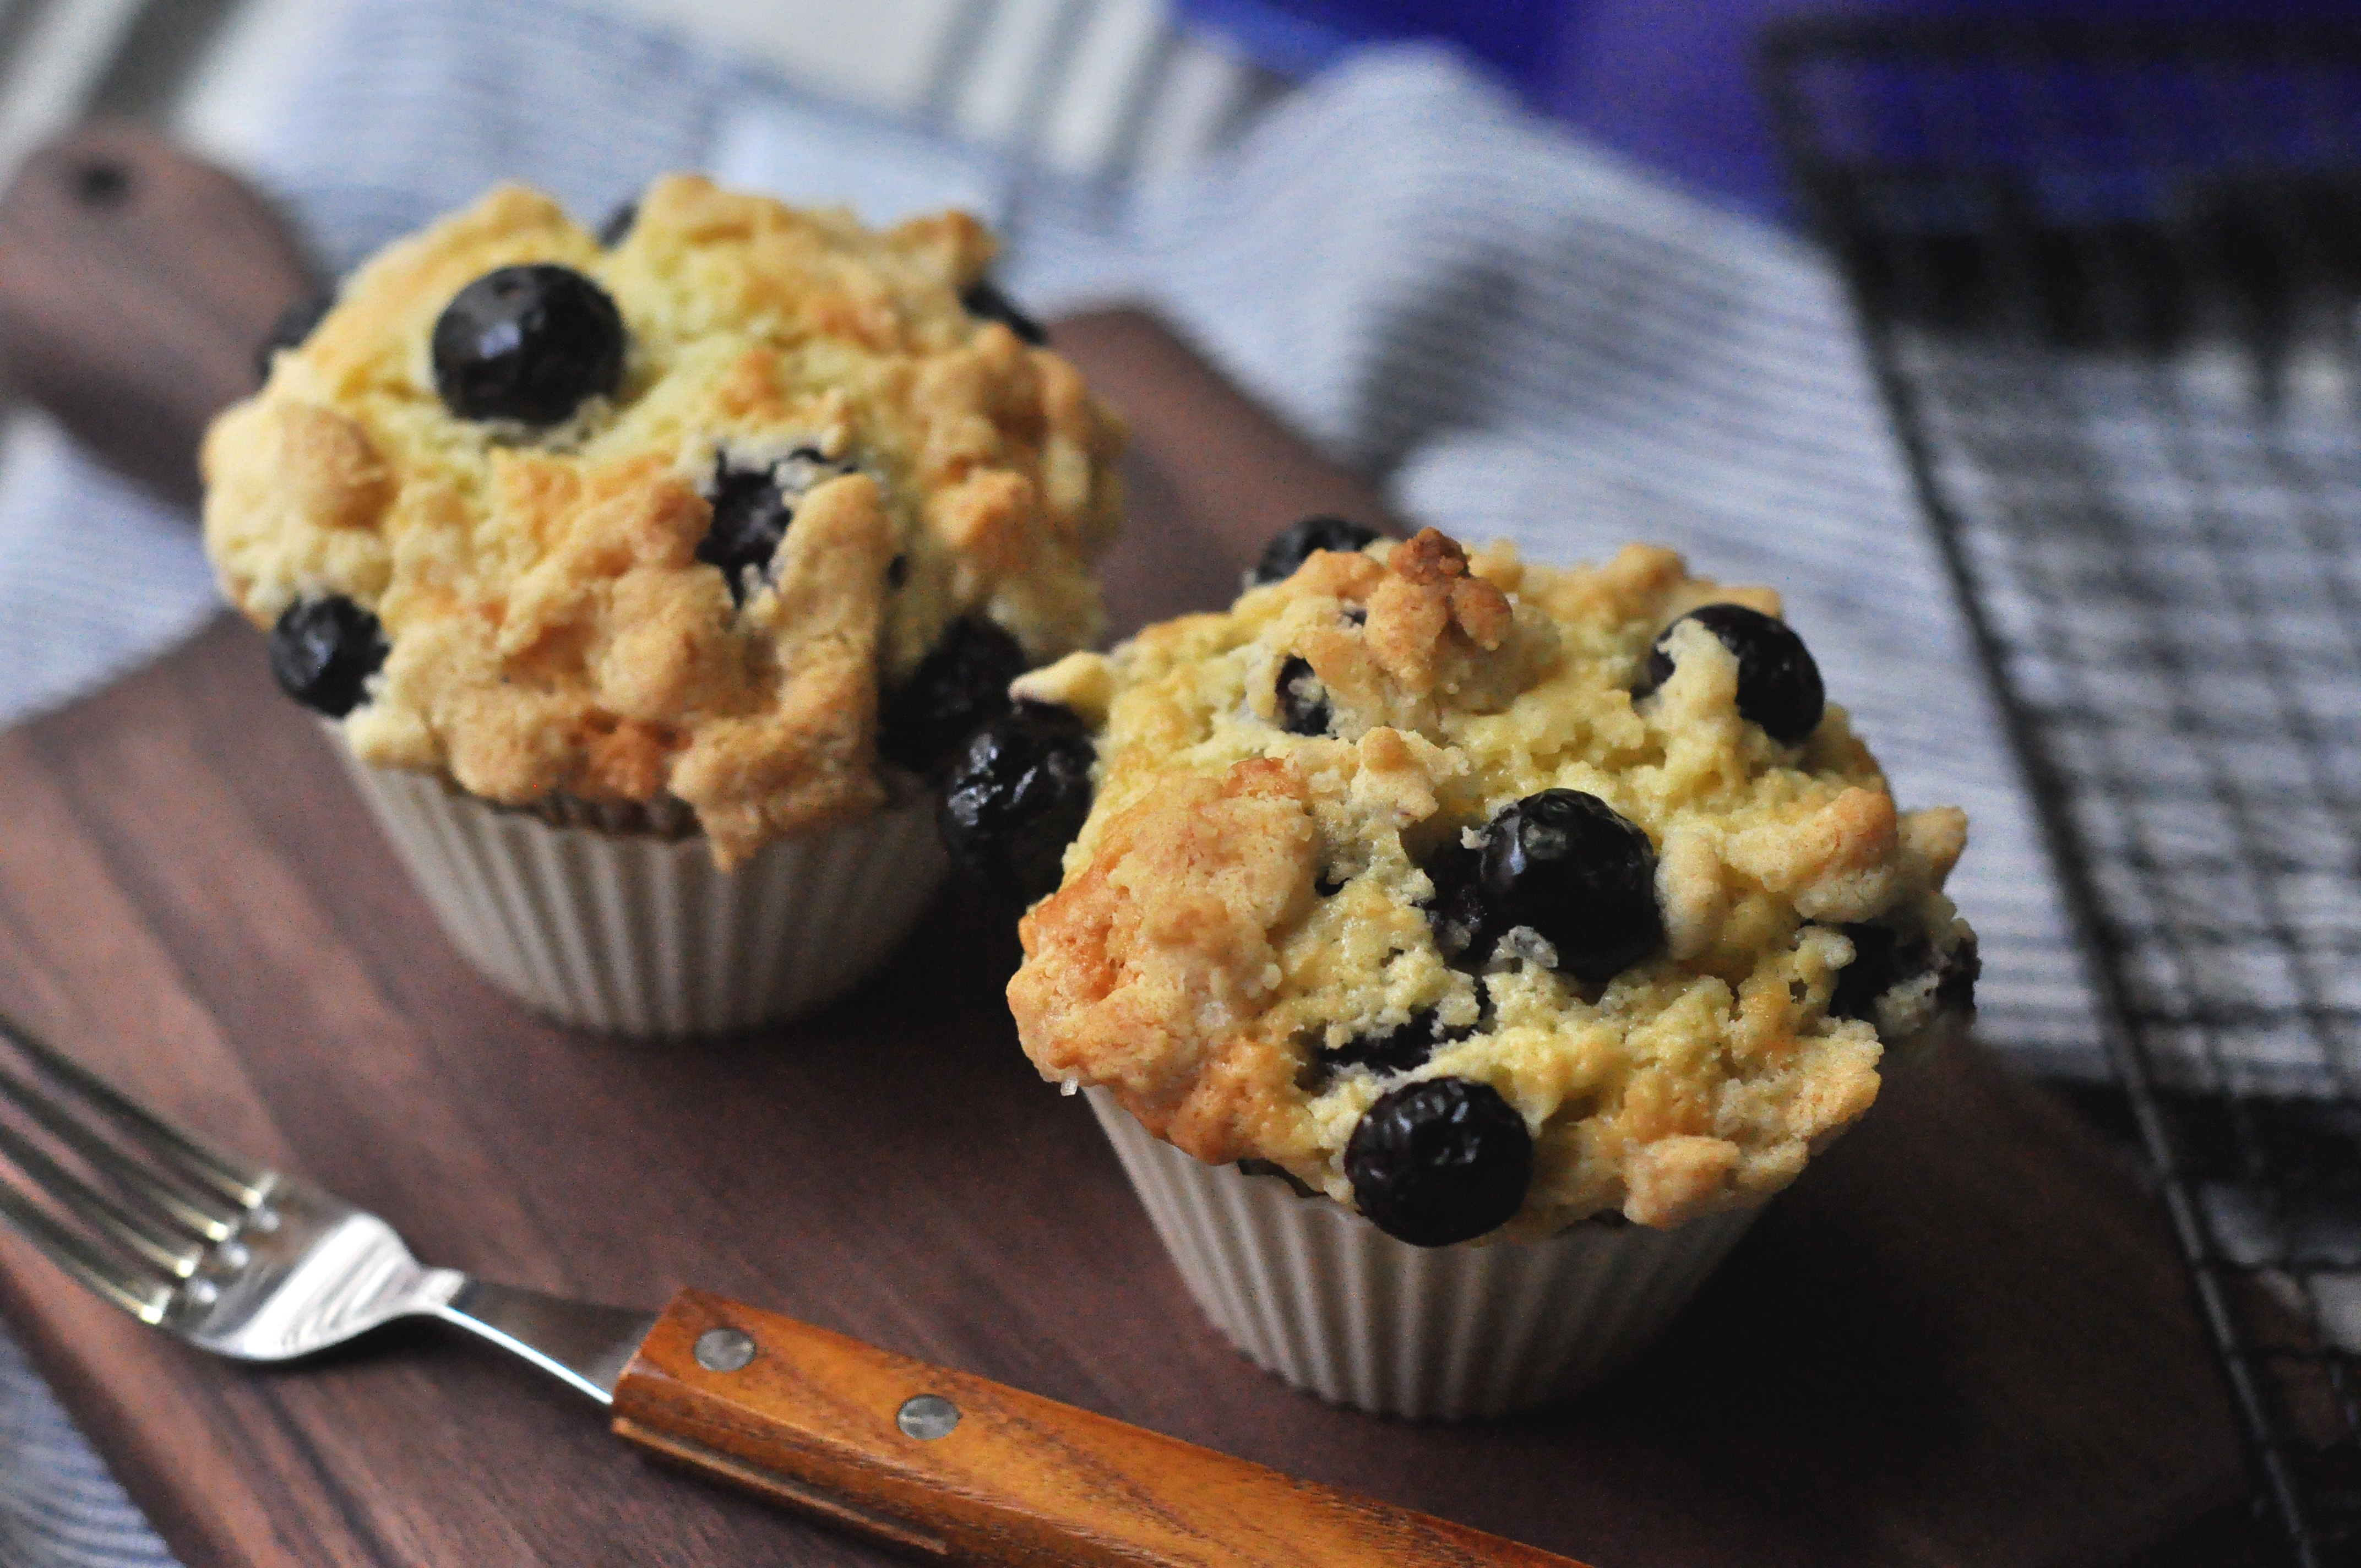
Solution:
(811, 1421)
(1962, 1338)
(136, 284)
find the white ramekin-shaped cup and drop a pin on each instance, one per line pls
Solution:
(1318, 1295)
(639, 933)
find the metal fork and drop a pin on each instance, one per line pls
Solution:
(252, 1263)
(258, 1264)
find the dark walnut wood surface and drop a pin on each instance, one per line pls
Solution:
(1961, 1338)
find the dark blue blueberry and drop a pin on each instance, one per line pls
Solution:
(1404, 1047)
(1584, 878)
(1302, 700)
(529, 344)
(1440, 1161)
(1880, 958)
(958, 688)
(1457, 914)
(1298, 542)
(1955, 990)
(984, 301)
(1016, 797)
(293, 325)
(324, 651)
(1778, 683)
(752, 509)
(1884, 957)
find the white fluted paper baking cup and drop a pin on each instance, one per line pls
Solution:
(639, 933)
(1313, 1292)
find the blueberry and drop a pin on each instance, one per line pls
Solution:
(615, 227)
(324, 651)
(1880, 958)
(1563, 863)
(1016, 797)
(752, 509)
(984, 300)
(1302, 700)
(957, 688)
(1778, 685)
(528, 344)
(1440, 1161)
(1404, 1047)
(1955, 990)
(1298, 542)
(751, 514)
(1884, 957)
(1457, 914)
(293, 325)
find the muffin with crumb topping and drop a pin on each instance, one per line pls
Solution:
(1446, 917)
(676, 562)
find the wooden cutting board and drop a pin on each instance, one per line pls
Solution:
(1963, 1338)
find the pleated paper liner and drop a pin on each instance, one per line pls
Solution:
(1320, 1297)
(637, 932)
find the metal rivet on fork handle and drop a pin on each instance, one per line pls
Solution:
(724, 1350)
(926, 1416)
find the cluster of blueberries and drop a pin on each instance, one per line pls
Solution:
(1020, 788)
(1558, 876)
(527, 346)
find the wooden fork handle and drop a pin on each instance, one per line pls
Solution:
(974, 1472)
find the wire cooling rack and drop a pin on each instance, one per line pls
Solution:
(2108, 275)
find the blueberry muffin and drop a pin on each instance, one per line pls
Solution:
(723, 516)
(1482, 897)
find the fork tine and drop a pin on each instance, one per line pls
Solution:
(133, 1289)
(242, 1184)
(177, 1256)
(190, 1210)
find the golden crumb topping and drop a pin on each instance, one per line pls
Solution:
(556, 621)
(1252, 946)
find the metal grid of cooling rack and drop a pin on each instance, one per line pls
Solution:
(2109, 278)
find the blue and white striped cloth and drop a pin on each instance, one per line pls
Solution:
(1519, 336)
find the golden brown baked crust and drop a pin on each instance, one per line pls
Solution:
(552, 629)
(1241, 895)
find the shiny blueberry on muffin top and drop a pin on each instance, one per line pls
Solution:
(1441, 1162)
(1778, 683)
(753, 505)
(530, 343)
(958, 688)
(324, 651)
(1405, 1047)
(1015, 798)
(1561, 864)
(1297, 542)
